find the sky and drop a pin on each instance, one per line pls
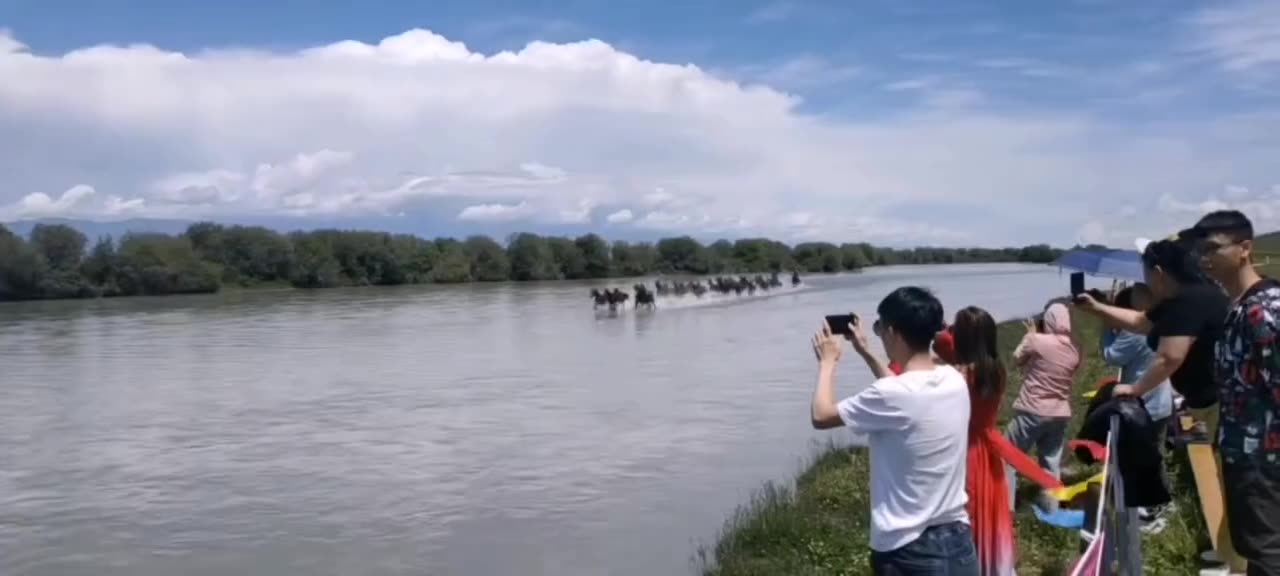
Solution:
(939, 123)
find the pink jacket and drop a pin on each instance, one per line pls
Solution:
(1049, 362)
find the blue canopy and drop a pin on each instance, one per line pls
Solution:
(1121, 264)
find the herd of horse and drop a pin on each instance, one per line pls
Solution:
(646, 298)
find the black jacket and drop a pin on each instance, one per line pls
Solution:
(1138, 451)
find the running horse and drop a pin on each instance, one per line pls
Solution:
(599, 298)
(618, 297)
(644, 298)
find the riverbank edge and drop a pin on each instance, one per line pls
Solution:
(283, 286)
(819, 523)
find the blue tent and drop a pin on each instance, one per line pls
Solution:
(1120, 264)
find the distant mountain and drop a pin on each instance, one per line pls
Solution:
(93, 229)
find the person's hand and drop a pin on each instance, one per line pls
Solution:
(1030, 325)
(858, 337)
(827, 346)
(1123, 390)
(1085, 301)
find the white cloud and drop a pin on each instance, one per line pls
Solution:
(620, 217)
(1262, 205)
(496, 212)
(79, 201)
(575, 133)
(1243, 35)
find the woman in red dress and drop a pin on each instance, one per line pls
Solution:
(973, 336)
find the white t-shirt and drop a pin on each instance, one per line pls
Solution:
(917, 428)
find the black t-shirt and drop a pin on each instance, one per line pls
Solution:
(1198, 311)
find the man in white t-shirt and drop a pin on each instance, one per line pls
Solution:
(917, 426)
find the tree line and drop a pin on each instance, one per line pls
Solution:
(56, 261)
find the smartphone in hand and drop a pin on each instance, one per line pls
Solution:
(1077, 284)
(839, 323)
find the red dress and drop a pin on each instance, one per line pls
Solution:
(987, 484)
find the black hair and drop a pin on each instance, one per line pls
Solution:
(976, 345)
(1124, 298)
(914, 313)
(1232, 223)
(1176, 257)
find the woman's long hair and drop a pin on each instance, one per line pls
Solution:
(975, 335)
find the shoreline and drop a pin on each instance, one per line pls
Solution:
(623, 281)
(817, 523)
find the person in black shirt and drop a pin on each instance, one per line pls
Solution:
(1182, 328)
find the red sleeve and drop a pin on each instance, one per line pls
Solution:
(944, 345)
(1021, 462)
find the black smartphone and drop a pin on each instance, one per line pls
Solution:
(839, 323)
(1077, 284)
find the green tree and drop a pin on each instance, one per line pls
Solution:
(638, 259)
(415, 257)
(489, 261)
(1039, 254)
(254, 254)
(206, 240)
(818, 257)
(721, 258)
(99, 267)
(21, 268)
(682, 254)
(314, 263)
(762, 255)
(62, 246)
(454, 265)
(855, 256)
(570, 262)
(153, 264)
(596, 255)
(531, 258)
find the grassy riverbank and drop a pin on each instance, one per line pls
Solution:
(820, 526)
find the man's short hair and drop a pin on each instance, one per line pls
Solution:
(914, 313)
(1232, 223)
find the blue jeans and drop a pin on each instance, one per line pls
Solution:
(1048, 435)
(943, 550)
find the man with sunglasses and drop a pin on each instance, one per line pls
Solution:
(1247, 374)
(917, 427)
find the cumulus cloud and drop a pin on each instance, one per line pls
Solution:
(496, 212)
(579, 133)
(620, 217)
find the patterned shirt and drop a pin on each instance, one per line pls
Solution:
(1247, 371)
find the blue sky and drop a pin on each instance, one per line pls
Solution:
(934, 123)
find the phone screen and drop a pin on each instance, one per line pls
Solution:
(839, 323)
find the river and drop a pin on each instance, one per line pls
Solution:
(470, 430)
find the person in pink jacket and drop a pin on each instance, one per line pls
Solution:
(1049, 360)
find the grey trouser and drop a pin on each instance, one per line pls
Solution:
(1047, 435)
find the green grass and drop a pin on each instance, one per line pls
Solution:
(820, 526)
(1267, 247)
